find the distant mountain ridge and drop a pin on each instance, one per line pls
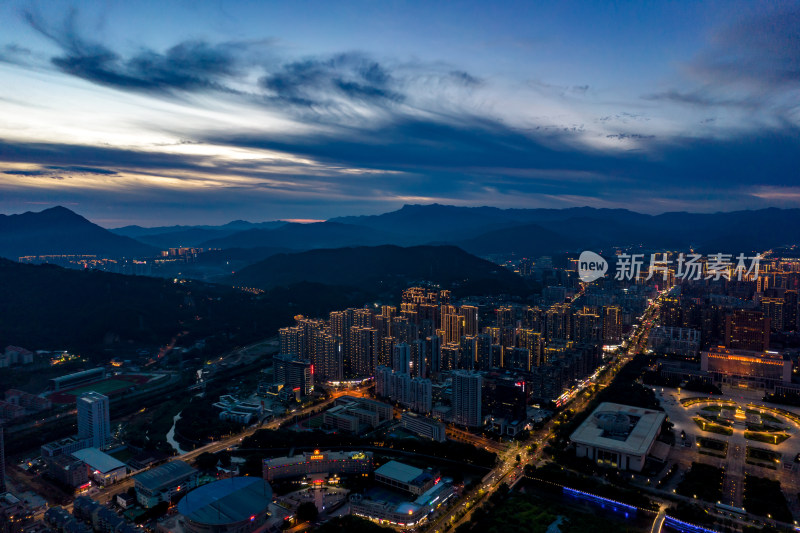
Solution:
(484, 229)
(57, 231)
(180, 236)
(308, 236)
(233, 226)
(481, 231)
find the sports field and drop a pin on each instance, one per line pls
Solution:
(103, 387)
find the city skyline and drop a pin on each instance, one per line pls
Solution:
(171, 114)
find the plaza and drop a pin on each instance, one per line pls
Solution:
(726, 418)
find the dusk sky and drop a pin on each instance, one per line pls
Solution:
(203, 112)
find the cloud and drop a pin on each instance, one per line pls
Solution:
(341, 85)
(51, 171)
(702, 98)
(314, 81)
(187, 66)
(82, 170)
(15, 54)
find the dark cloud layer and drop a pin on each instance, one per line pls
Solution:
(187, 66)
(353, 76)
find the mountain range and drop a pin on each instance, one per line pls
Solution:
(59, 231)
(478, 230)
(177, 236)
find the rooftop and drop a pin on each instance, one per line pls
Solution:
(226, 501)
(98, 460)
(620, 427)
(165, 474)
(399, 472)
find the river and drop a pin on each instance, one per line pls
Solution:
(171, 435)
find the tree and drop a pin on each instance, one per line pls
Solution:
(206, 461)
(307, 512)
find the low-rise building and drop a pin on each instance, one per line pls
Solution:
(161, 483)
(30, 402)
(101, 518)
(60, 520)
(619, 436)
(67, 470)
(405, 477)
(9, 411)
(355, 415)
(14, 511)
(743, 368)
(318, 462)
(239, 411)
(424, 426)
(102, 468)
(66, 446)
(403, 514)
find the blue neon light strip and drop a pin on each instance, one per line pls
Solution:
(685, 526)
(594, 497)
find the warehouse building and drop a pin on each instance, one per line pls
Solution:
(161, 483)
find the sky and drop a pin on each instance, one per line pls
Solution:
(193, 112)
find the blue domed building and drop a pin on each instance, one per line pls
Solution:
(235, 505)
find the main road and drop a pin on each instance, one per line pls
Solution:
(508, 469)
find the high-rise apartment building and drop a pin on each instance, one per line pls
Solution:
(420, 366)
(93, 419)
(612, 325)
(470, 322)
(559, 322)
(363, 341)
(452, 324)
(421, 395)
(587, 326)
(747, 330)
(401, 358)
(292, 341)
(466, 402)
(790, 310)
(328, 357)
(300, 377)
(773, 308)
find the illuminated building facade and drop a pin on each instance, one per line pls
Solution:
(403, 514)
(318, 462)
(744, 368)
